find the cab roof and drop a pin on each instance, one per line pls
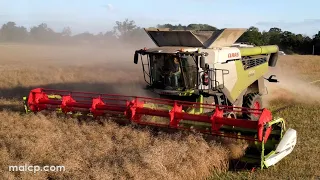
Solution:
(171, 49)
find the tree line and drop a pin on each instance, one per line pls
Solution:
(127, 32)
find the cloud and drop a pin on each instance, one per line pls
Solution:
(109, 7)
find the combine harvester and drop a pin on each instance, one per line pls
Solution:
(204, 84)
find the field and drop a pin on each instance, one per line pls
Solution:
(94, 151)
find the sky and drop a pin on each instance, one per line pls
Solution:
(100, 15)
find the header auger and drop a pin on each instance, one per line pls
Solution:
(204, 84)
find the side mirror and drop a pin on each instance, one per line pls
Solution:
(273, 59)
(136, 56)
(271, 79)
(202, 62)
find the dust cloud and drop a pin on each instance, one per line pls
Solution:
(106, 68)
(291, 86)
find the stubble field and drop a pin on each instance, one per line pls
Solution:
(94, 151)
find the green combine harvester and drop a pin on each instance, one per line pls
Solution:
(203, 83)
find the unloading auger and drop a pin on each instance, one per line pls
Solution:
(204, 83)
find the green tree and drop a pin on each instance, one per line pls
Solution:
(204, 27)
(42, 33)
(128, 31)
(166, 26)
(265, 38)
(66, 32)
(252, 35)
(275, 35)
(10, 32)
(287, 41)
(125, 27)
(316, 43)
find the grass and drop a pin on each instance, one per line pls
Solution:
(92, 151)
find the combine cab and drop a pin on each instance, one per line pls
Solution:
(204, 83)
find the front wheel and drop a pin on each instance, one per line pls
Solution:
(252, 101)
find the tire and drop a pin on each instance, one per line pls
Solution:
(253, 101)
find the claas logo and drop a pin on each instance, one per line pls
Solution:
(233, 55)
